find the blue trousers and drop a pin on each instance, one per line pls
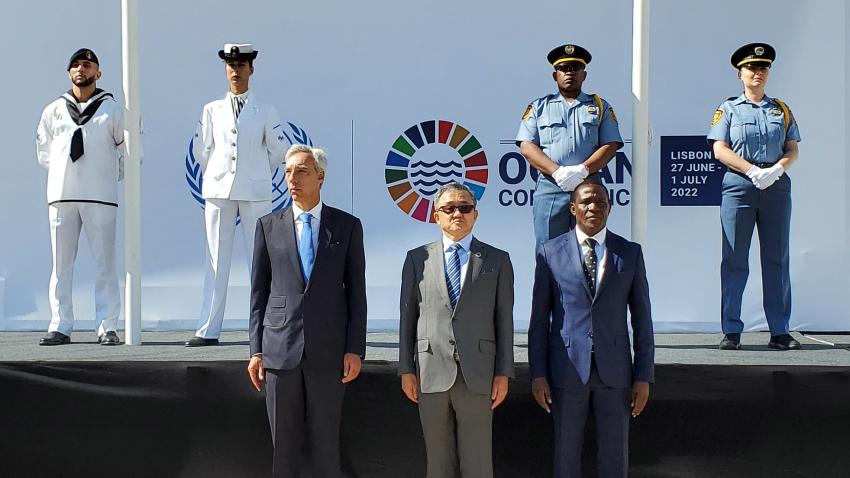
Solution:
(611, 406)
(742, 207)
(551, 211)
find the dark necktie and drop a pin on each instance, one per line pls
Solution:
(82, 117)
(305, 245)
(590, 265)
(453, 273)
(238, 103)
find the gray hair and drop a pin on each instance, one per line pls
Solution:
(453, 186)
(318, 154)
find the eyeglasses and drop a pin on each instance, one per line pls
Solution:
(569, 67)
(463, 208)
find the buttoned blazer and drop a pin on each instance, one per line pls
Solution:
(566, 321)
(237, 157)
(480, 325)
(313, 323)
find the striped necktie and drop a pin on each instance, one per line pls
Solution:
(453, 273)
(238, 103)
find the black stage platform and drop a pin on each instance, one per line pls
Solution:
(202, 419)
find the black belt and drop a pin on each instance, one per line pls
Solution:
(758, 165)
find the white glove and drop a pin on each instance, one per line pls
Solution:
(568, 177)
(773, 174)
(758, 176)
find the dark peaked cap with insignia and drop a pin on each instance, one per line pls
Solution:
(568, 52)
(238, 51)
(760, 54)
(83, 54)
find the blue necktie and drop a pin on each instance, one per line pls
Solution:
(453, 273)
(305, 245)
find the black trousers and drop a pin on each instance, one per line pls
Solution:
(304, 404)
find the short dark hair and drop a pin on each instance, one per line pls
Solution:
(593, 179)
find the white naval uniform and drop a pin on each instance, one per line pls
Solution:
(237, 158)
(82, 195)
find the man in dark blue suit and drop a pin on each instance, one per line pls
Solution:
(585, 281)
(308, 317)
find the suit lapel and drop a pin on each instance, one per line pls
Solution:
(611, 248)
(326, 223)
(248, 110)
(576, 263)
(473, 268)
(437, 269)
(291, 249)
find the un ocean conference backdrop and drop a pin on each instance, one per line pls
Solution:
(405, 95)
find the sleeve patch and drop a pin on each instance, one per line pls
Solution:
(527, 113)
(613, 116)
(718, 115)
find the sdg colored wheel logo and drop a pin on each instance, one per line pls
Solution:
(427, 156)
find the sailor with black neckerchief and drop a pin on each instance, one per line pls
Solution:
(80, 142)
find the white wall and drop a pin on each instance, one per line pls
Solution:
(355, 75)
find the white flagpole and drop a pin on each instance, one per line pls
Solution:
(132, 176)
(640, 124)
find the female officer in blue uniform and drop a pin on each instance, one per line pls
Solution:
(756, 137)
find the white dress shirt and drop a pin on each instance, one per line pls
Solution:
(463, 254)
(314, 222)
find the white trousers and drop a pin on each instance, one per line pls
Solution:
(66, 222)
(220, 215)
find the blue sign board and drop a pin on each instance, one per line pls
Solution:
(690, 176)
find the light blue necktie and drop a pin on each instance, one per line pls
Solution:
(305, 245)
(453, 273)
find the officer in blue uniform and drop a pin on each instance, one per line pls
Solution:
(566, 136)
(756, 137)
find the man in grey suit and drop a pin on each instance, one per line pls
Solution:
(308, 317)
(585, 282)
(456, 338)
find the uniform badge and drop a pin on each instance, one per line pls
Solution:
(88, 55)
(718, 114)
(569, 49)
(613, 116)
(591, 109)
(776, 112)
(527, 113)
(759, 50)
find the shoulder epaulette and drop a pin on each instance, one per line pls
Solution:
(786, 114)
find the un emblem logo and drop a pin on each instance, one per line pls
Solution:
(290, 133)
(427, 156)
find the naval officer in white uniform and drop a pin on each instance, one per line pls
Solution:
(80, 141)
(238, 144)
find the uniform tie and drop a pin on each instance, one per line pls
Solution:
(453, 273)
(238, 103)
(590, 264)
(305, 245)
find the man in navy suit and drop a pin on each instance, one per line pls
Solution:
(578, 338)
(308, 317)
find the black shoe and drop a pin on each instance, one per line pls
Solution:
(109, 338)
(200, 342)
(731, 342)
(783, 342)
(55, 338)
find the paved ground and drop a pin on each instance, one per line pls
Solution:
(829, 350)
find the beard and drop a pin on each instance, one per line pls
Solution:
(84, 82)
